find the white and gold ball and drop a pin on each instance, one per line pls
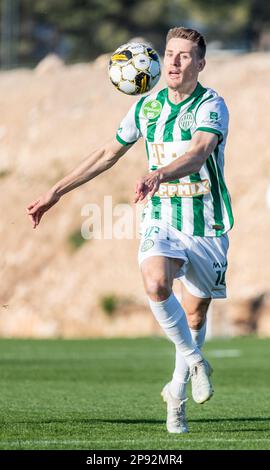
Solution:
(134, 68)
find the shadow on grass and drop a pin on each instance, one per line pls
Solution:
(92, 421)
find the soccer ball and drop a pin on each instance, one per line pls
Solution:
(134, 68)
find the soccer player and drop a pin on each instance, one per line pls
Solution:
(188, 214)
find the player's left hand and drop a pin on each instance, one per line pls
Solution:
(148, 184)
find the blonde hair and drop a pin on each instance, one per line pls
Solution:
(191, 35)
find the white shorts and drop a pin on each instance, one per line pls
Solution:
(205, 258)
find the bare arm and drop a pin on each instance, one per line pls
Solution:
(201, 146)
(98, 162)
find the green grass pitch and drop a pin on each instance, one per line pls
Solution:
(105, 394)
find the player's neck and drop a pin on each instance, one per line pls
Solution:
(178, 95)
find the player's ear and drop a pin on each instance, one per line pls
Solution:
(201, 64)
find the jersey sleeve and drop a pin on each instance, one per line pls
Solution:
(213, 116)
(128, 131)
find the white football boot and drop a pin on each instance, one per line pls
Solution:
(176, 413)
(202, 389)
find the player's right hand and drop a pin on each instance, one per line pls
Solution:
(37, 208)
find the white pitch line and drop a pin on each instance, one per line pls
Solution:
(224, 353)
(131, 441)
(120, 354)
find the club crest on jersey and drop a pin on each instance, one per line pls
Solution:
(152, 109)
(186, 121)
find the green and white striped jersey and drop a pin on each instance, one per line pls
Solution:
(198, 204)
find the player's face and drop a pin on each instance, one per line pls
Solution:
(181, 63)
